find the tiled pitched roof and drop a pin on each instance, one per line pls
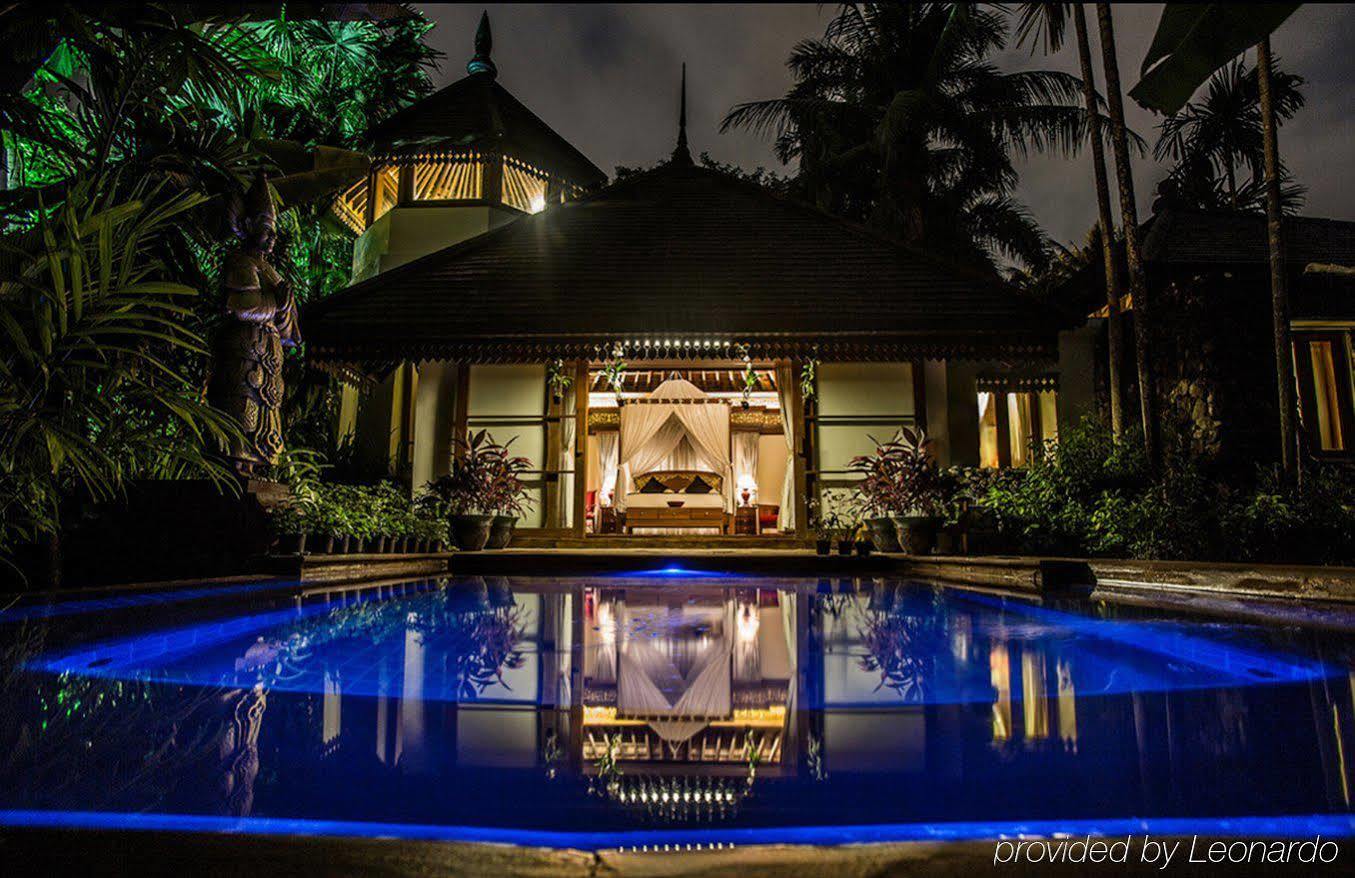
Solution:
(476, 112)
(1199, 238)
(678, 250)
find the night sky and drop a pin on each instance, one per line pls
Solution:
(606, 77)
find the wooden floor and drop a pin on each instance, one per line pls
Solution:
(565, 540)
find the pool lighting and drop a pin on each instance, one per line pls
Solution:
(1285, 826)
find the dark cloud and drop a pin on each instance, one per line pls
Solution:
(606, 77)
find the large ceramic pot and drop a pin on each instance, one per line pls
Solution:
(918, 533)
(884, 534)
(501, 532)
(470, 532)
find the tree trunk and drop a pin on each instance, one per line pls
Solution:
(1113, 284)
(1129, 216)
(1279, 293)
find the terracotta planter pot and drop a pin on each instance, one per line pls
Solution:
(884, 534)
(501, 532)
(823, 547)
(470, 532)
(919, 533)
(379, 544)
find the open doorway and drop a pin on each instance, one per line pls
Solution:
(686, 451)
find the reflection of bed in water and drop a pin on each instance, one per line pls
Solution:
(678, 678)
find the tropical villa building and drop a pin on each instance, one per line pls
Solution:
(676, 322)
(1216, 377)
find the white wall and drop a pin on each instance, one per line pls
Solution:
(880, 391)
(771, 468)
(404, 234)
(434, 422)
(501, 396)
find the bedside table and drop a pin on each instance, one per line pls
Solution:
(746, 521)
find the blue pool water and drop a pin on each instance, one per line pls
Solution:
(667, 707)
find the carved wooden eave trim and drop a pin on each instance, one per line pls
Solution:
(367, 356)
(1016, 382)
(757, 419)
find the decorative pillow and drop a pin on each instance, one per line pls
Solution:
(699, 486)
(653, 486)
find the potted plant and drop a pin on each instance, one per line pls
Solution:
(822, 527)
(463, 497)
(613, 372)
(506, 493)
(846, 541)
(920, 493)
(558, 379)
(289, 528)
(879, 492)
(864, 541)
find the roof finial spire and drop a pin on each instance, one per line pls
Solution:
(681, 155)
(484, 44)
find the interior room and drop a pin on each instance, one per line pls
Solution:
(695, 450)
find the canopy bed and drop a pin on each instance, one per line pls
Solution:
(675, 470)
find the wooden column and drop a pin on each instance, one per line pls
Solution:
(404, 190)
(1004, 429)
(802, 446)
(461, 414)
(492, 185)
(919, 371)
(580, 448)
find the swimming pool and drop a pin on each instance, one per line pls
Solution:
(667, 708)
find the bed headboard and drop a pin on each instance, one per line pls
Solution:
(678, 481)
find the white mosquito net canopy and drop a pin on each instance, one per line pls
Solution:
(676, 427)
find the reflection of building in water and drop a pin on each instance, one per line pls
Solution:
(682, 703)
(690, 676)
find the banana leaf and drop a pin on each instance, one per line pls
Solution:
(1195, 39)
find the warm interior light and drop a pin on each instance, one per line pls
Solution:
(538, 203)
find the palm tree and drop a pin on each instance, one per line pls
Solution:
(1271, 108)
(1050, 20)
(93, 387)
(1215, 137)
(898, 117)
(1129, 217)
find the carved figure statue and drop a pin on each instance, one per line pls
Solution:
(260, 321)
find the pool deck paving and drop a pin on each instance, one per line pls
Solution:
(54, 852)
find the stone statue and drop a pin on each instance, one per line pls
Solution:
(260, 321)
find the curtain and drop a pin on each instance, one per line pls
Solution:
(785, 517)
(609, 444)
(650, 432)
(565, 494)
(745, 465)
(678, 677)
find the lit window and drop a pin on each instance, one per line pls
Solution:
(1327, 407)
(449, 178)
(351, 206)
(1018, 427)
(1011, 425)
(387, 190)
(523, 187)
(988, 455)
(1322, 367)
(1049, 416)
